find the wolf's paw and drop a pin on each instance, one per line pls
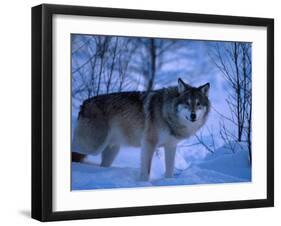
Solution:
(169, 175)
(144, 177)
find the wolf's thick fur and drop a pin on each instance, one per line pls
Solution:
(161, 118)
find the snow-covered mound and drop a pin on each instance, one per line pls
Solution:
(224, 166)
(87, 176)
(231, 159)
(90, 176)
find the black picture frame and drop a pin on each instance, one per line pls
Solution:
(42, 111)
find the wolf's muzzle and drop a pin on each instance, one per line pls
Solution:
(193, 117)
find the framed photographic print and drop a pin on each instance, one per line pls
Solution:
(146, 112)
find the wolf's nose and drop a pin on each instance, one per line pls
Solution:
(193, 116)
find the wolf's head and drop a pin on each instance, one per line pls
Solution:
(192, 103)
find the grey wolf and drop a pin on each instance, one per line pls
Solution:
(160, 118)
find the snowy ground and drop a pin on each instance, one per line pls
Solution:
(223, 166)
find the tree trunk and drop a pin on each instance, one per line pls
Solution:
(152, 49)
(112, 66)
(238, 93)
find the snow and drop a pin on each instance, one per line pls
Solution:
(223, 166)
(225, 161)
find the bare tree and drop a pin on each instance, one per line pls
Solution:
(149, 58)
(211, 147)
(99, 65)
(233, 59)
(112, 65)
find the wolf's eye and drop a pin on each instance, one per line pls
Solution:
(198, 103)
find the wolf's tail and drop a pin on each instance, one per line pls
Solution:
(77, 157)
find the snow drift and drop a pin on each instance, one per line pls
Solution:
(228, 164)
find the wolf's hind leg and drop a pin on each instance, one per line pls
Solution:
(170, 151)
(108, 155)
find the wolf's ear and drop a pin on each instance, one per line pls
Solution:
(205, 88)
(182, 86)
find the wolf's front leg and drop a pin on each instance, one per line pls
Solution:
(147, 151)
(170, 152)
